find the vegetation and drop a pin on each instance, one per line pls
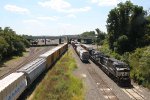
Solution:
(140, 65)
(128, 27)
(128, 39)
(87, 34)
(100, 36)
(59, 83)
(11, 44)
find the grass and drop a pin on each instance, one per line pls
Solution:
(59, 83)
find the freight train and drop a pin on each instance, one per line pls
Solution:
(13, 85)
(119, 70)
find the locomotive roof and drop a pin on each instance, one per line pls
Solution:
(117, 62)
(9, 79)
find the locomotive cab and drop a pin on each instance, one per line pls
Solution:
(122, 73)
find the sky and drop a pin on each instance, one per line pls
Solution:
(58, 17)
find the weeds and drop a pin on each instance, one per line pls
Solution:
(59, 83)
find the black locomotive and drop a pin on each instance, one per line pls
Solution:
(118, 70)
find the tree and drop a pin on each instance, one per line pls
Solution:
(11, 43)
(100, 36)
(129, 21)
(87, 34)
(3, 47)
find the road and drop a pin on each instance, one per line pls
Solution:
(98, 86)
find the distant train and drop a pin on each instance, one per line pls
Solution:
(113, 67)
(82, 53)
(13, 85)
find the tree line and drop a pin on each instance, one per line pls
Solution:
(128, 27)
(11, 44)
(128, 39)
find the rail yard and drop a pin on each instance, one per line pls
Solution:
(75, 50)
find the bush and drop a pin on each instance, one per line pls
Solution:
(140, 65)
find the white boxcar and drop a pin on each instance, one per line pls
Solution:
(12, 86)
(33, 69)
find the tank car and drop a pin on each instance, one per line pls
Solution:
(33, 69)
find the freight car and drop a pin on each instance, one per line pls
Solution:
(111, 66)
(33, 69)
(83, 54)
(52, 55)
(13, 85)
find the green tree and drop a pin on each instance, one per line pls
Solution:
(87, 34)
(3, 47)
(131, 22)
(11, 43)
(100, 36)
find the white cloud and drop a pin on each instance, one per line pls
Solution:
(106, 2)
(16, 9)
(62, 6)
(55, 4)
(30, 21)
(53, 18)
(33, 22)
(64, 24)
(71, 16)
(76, 10)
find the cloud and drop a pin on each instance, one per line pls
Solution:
(64, 24)
(106, 2)
(55, 4)
(76, 10)
(32, 22)
(16, 9)
(62, 6)
(53, 18)
(71, 16)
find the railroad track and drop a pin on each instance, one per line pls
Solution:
(102, 86)
(133, 93)
(33, 55)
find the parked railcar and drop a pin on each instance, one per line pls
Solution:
(33, 69)
(12, 86)
(87, 47)
(83, 54)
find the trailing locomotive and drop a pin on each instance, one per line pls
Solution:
(13, 85)
(111, 66)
